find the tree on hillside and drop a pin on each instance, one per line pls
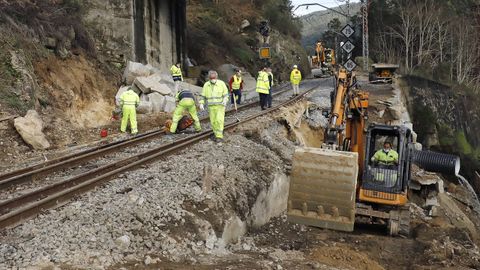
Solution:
(436, 36)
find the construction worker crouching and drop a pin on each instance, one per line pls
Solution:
(295, 78)
(129, 102)
(177, 77)
(236, 87)
(263, 87)
(215, 95)
(186, 102)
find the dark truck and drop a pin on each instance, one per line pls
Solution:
(382, 73)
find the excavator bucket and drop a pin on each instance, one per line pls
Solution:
(322, 188)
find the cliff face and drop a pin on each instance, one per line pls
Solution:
(446, 118)
(228, 33)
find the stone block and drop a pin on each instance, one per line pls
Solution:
(191, 87)
(145, 106)
(157, 101)
(134, 70)
(169, 105)
(154, 83)
(143, 84)
(30, 129)
(120, 91)
(161, 88)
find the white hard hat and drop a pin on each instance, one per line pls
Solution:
(294, 66)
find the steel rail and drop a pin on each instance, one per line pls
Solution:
(31, 173)
(21, 208)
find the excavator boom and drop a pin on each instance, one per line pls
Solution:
(324, 180)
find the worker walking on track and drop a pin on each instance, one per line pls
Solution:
(295, 78)
(129, 102)
(186, 102)
(236, 87)
(270, 83)
(177, 77)
(263, 87)
(215, 95)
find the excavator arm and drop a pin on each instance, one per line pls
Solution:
(324, 180)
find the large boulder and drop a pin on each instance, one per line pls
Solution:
(249, 82)
(120, 91)
(157, 101)
(30, 128)
(226, 71)
(154, 83)
(161, 88)
(134, 70)
(169, 105)
(191, 87)
(145, 106)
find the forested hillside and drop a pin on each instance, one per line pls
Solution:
(218, 35)
(436, 43)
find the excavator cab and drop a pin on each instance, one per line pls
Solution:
(381, 183)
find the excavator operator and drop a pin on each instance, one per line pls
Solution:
(386, 156)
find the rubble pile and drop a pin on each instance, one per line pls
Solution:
(156, 89)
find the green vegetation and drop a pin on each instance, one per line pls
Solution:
(446, 135)
(462, 144)
(279, 14)
(423, 119)
(215, 36)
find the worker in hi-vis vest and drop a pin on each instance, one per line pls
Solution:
(186, 102)
(263, 87)
(236, 87)
(215, 96)
(295, 78)
(177, 77)
(129, 102)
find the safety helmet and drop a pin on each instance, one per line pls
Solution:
(295, 66)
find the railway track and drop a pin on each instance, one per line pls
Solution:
(13, 211)
(37, 171)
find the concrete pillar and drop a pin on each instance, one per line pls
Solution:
(147, 31)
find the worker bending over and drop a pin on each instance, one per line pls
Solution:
(129, 102)
(263, 87)
(386, 156)
(177, 77)
(236, 87)
(295, 78)
(186, 102)
(215, 95)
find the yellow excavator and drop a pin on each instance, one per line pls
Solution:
(323, 62)
(339, 184)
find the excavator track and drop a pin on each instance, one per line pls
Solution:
(322, 188)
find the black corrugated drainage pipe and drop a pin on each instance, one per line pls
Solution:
(437, 162)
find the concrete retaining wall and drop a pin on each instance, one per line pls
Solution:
(146, 31)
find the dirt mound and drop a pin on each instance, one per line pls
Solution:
(77, 90)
